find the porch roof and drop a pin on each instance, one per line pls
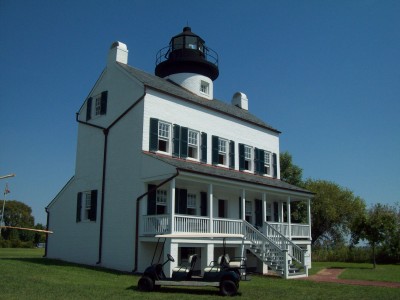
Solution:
(225, 173)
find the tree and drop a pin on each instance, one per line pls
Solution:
(289, 171)
(379, 226)
(333, 211)
(18, 214)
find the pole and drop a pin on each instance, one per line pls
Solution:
(2, 211)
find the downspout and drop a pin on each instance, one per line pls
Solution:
(103, 186)
(137, 216)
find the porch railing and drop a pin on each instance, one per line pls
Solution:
(227, 226)
(191, 224)
(297, 230)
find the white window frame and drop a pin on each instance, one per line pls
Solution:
(204, 87)
(193, 144)
(248, 158)
(87, 205)
(97, 105)
(164, 135)
(267, 163)
(223, 150)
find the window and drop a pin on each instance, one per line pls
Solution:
(86, 206)
(161, 202)
(268, 212)
(267, 163)
(204, 87)
(191, 204)
(222, 154)
(193, 144)
(248, 158)
(98, 105)
(163, 136)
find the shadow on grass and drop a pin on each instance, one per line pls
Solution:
(182, 290)
(56, 262)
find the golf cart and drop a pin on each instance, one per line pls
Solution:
(222, 273)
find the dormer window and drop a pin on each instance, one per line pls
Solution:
(204, 87)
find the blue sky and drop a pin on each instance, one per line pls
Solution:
(325, 73)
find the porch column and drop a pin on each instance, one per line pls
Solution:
(309, 216)
(171, 248)
(210, 207)
(289, 221)
(264, 212)
(243, 204)
(280, 217)
(264, 207)
(207, 256)
(172, 207)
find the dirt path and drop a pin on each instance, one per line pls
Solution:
(331, 275)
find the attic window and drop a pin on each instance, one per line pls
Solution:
(204, 87)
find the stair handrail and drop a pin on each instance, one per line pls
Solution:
(256, 237)
(296, 252)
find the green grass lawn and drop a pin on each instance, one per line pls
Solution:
(362, 271)
(26, 275)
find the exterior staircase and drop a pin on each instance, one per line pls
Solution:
(281, 255)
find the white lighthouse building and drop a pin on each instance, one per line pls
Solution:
(157, 154)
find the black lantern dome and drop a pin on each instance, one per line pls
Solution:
(187, 53)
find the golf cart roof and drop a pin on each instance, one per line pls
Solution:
(200, 235)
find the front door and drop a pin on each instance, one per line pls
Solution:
(258, 213)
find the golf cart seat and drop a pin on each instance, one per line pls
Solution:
(215, 266)
(185, 272)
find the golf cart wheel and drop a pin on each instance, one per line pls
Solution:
(146, 284)
(227, 288)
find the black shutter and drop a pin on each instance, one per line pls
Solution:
(93, 206)
(261, 161)
(203, 203)
(180, 201)
(175, 140)
(215, 150)
(151, 199)
(275, 165)
(184, 142)
(240, 208)
(183, 201)
(231, 154)
(78, 207)
(203, 147)
(89, 109)
(257, 169)
(103, 106)
(241, 157)
(153, 139)
(258, 212)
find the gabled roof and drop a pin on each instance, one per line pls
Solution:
(220, 172)
(171, 88)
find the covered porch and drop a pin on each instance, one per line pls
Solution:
(194, 203)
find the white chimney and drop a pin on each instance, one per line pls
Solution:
(118, 53)
(240, 100)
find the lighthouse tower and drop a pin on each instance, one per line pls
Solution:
(188, 62)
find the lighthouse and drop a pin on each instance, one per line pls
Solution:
(188, 62)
